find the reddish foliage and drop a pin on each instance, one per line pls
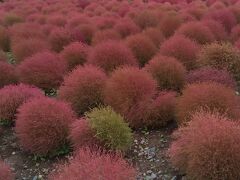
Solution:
(105, 35)
(182, 49)
(57, 20)
(142, 47)
(42, 125)
(7, 74)
(12, 96)
(126, 27)
(168, 72)
(207, 74)
(207, 95)
(235, 33)
(4, 39)
(87, 31)
(28, 47)
(155, 35)
(81, 135)
(44, 70)
(110, 55)
(75, 54)
(3, 56)
(6, 172)
(128, 87)
(95, 165)
(196, 31)
(83, 88)
(207, 148)
(146, 18)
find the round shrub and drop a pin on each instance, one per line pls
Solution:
(75, 54)
(28, 47)
(87, 31)
(12, 96)
(208, 74)
(82, 135)
(168, 72)
(83, 88)
(146, 18)
(127, 87)
(207, 148)
(4, 39)
(44, 70)
(95, 165)
(207, 95)
(155, 35)
(182, 48)
(196, 31)
(126, 27)
(142, 47)
(221, 56)
(110, 55)
(42, 125)
(7, 74)
(6, 172)
(105, 35)
(110, 128)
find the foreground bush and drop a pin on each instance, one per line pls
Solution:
(13, 96)
(95, 166)
(168, 72)
(142, 47)
(127, 87)
(207, 95)
(207, 148)
(5, 172)
(7, 74)
(110, 128)
(221, 56)
(75, 54)
(83, 88)
(110, 55)
(42, 125)
(208, 74)
(82, 135)
(182, 48)
(44, 70)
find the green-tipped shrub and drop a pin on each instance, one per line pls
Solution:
(110, 128)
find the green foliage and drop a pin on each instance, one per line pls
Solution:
(110, 128)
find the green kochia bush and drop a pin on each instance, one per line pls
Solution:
(110, 128)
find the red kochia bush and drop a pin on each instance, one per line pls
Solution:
(207, 95)
(75, 54)
(127, 87)
(42, 125)
(155, 35)
(5, 172)
(110, 55)
(206, 74)
(82, 135)
(196, 31)
(146, 18)
(12, 96)
(95, 165)
(207, 148)
(105, 35)
(182, 49)
(28, 47)
(142, 47)
(168, 72)
(7, 74)
(83, 88)
(235, 33)
(44, 70)
(126, 27)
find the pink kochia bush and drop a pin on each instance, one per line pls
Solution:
(13, 96)
(83, 88)
(75, 54)
(95, 165)
(42, 125)
(82, 135)
(209, 96)
(206, 74)
(6, 172)
(182, 48)
(110, 55)
(142, 47)
(207, 148)
(7, 74)
(168, 72)
(44, 70)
